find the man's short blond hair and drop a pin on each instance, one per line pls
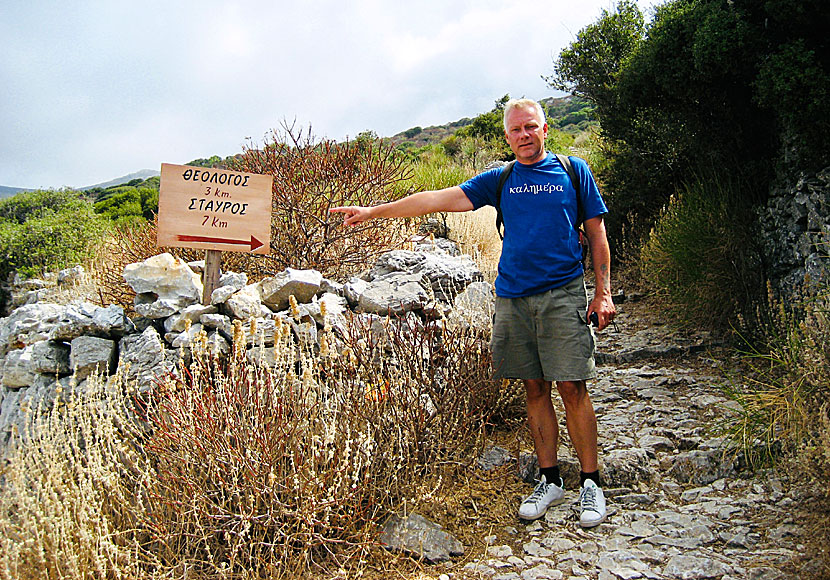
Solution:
(524, 104)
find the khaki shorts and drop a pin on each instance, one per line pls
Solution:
(544, 336)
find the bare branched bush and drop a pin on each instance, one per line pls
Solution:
(295, 458)
(310, 177)
(128, 244)
(279, 461)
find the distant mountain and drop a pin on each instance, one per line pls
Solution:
(6, 191)
(143, 174)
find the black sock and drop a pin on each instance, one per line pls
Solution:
(594, 475)
(551, 475)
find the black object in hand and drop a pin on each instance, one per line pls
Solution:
(594, 319)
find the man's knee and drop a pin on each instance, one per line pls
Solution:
(537, 389)
(572, 392)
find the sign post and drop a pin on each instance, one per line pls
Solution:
(215, 210)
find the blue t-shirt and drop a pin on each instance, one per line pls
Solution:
(541, 248)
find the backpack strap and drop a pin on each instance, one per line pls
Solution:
(505, 173)
(580, 212)
(569, 169)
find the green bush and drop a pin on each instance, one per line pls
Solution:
(130, 205)
(33, 204)
(700, 257)
(46, 230)
(437, 170)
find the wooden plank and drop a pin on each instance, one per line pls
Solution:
(214, 209)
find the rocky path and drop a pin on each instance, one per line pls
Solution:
(680, 504)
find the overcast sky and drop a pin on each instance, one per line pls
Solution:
(95, 90)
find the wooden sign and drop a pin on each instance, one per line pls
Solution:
(214, 209)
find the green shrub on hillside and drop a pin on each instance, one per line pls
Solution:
(699, 256)
(33, 204)
(130, 205)
(437, 170)
(741, 86)
(46, 230)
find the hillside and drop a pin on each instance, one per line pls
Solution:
(143, 174)
(6, 191)
(570, 114)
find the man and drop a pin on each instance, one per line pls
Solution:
(540, 329)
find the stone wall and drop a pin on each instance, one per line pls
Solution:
(48, 348)
(794, 235)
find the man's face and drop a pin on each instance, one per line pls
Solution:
(526, 135)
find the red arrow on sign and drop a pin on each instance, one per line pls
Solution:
(254, 243)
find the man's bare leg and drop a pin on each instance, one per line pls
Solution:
(541, 418)
(581, 422)
(582, 427)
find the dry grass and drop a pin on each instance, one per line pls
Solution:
(283, 465)
(74, 490)
(475, 233)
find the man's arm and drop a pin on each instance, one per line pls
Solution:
(417, 204)
(602, 303)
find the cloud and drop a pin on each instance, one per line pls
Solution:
(99, 89)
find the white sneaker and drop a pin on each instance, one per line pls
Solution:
(591, 505)
(537, 503)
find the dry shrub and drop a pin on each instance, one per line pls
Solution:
(287, 467)
(475, 233)
(72, 503)
(312, 176)
(783, 386)
(784, 416)
(278, 461)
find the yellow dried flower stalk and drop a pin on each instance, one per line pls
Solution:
(295, 308)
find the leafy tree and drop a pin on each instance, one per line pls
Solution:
(46, 230)
(706, 85)
(212, 161)
(590, 65)
(794, 83)
(410, 133)
(489, 126)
